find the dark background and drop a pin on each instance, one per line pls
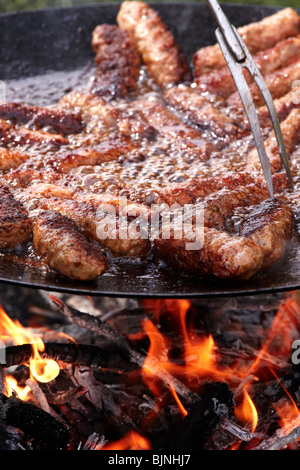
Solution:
(17, 5)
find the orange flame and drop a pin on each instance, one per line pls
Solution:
(43, 370)
(200, 362)
(200, 357)
(288, 411)
(289, 416)
(283, 328)
(13, 387)
(132, 441)
(157, 357)
(246, 412)
(200, 353)
(182, 409)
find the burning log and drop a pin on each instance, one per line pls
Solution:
(10, 439)
(49, 433)
(203, 419)
(280, 440)
(102, 398)
(70, 353)
(95, 324)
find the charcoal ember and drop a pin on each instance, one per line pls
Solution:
(220, 440)
(245, 319)
(203, 418)
(290, 382)
(48, 433)
(11, 439)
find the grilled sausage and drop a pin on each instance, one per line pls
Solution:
(15, 225)
(290, 130)
(221, 82)
(11, 158)
(257, 36)
(59, 120)
(59, 242)
(260, 243)
(118, 63)
(163, 58)
(279, 83)
(100, 226)
(197, 110)
(105, 151)
(16, 136)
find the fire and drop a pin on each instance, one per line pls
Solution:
(13, 387)
(246, 412)
(132, 441)
(182, 409)
(281, 333)
(289, 416)
(43, 370)
(288, 411)
(157, 357)
(199, 352)
(186, 356)
(201, 362)
(199, 359)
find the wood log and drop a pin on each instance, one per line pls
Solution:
(203, 419)
(70, 353)
(47, 432)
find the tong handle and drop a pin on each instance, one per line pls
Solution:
(237, 56)
(228, 31)
(236, 70)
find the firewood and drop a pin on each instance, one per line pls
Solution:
(279, 440)
(203, 419)
(95, 324)
(102, 398)
(10, 439)
(92, 323)
(48, 433)
(70, 353)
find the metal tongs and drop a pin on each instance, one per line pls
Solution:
(238, 56)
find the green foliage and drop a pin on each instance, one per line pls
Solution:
(18, 5)
(15, 5)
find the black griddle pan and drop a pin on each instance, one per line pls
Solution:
(59, 39)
